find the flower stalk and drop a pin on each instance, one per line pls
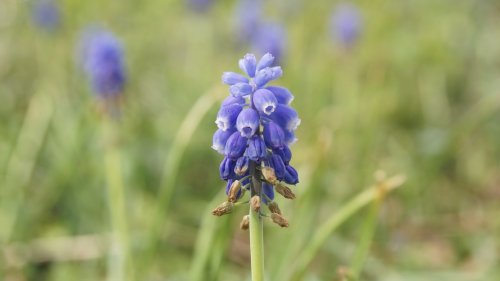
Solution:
(256, 229)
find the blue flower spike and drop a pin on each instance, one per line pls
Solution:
(256, 126)
(102, 59)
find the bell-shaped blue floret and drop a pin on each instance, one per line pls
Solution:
(274, 136)
(285, 153)
(247, 122)
(291, 175)
(286, 117)
(279, 167)
(235, 146)
(220, 138)
(226, 168)
(290, 138)
(227, 115)
(256, 150)
(264, 101)
(283, 95)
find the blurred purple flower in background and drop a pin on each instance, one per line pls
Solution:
(200, 6)
(262, 36)
(102, 61)
(346, 23)
(46, 14)
(247, 16)
(270, 38)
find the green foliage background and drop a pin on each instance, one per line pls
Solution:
(418, 95)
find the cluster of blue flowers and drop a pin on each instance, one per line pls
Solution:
(102, 59)
(256, 124)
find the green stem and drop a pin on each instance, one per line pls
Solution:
(365, 240)
(256, 230)
(120, 263)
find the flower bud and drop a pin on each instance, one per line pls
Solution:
(274, 208)
(267, 192)
(285, 191)
(273, 135)
(241, 167)
(279, 220)
(248, 64)
(255, 203)
(245, 222)
(240, 89)
(231, 78)
(269, 174)
(267, 74)
(283, 95)
(291, 175)
(235, 146)
(226, 168)
(266, 61)
(279, 167)
(223, 209)
(234, 191)
(256, 150)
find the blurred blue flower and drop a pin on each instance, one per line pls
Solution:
(248, 16)
(256, 124)
(270, 38)
(102, 60)
(200, 6)
(346, 24)
(46, 14)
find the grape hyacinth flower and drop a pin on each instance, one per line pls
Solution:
(46, 15)
(256, 126)
(346, 23)
(101, 55)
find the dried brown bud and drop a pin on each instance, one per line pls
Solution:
(269, 174)
(255, 203)
(223, 209)
(285, 191)
(279, 220)
(273, 207)
(233, 191)
(245, 222)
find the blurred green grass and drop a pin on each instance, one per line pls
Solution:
(418, 95)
